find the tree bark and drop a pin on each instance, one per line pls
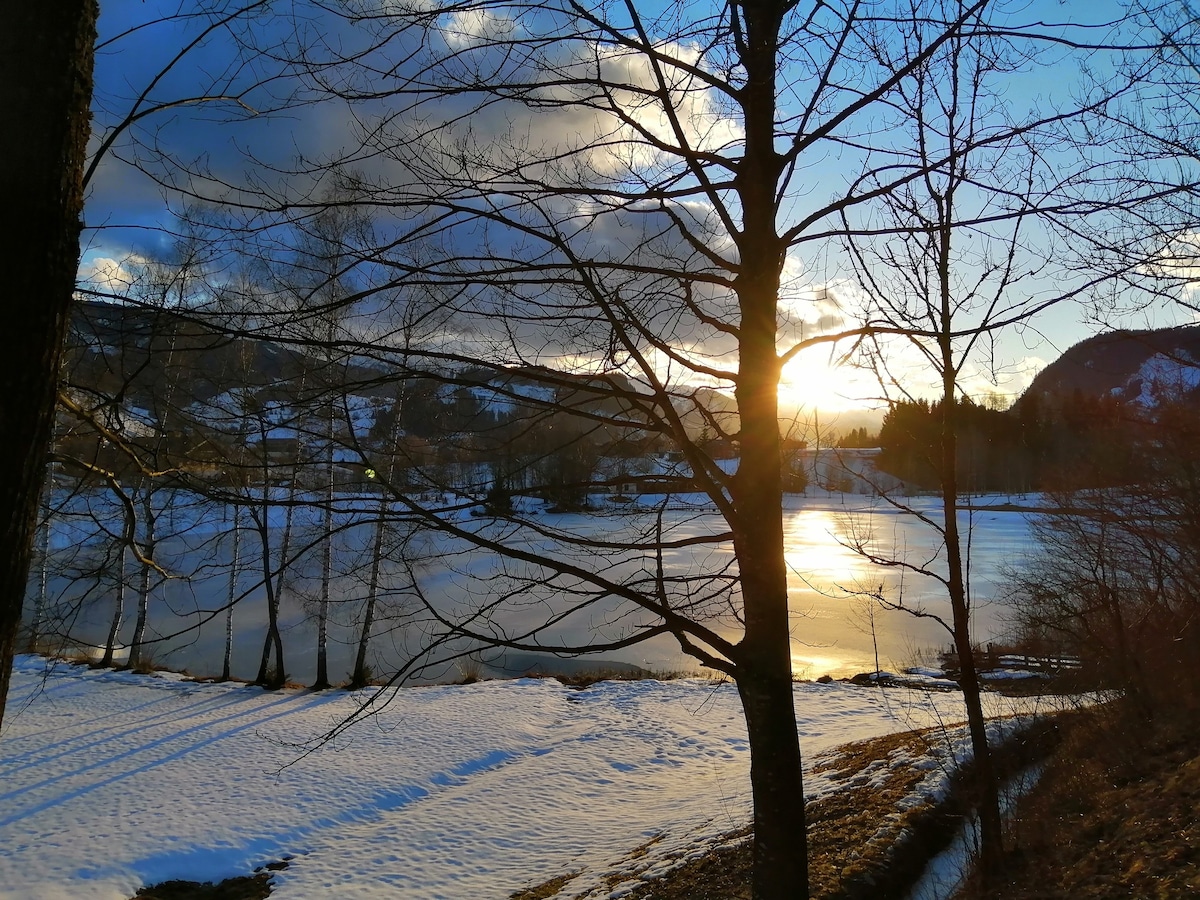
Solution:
(273, 584)
(359, 678)
(227, 661)
(118, 616)
(39, 609)
(149, 542)
(990, 835)
(47, 53)
(272, 580)
(777, 785)
(764, 662)
(322, 680)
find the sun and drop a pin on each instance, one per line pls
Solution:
(814, 381)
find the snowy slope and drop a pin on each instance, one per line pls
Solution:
(111, 781)
(1169, 377)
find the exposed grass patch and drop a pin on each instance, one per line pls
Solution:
(1114, 814)
(546, 888)
(246, 887)
(722, 874)
(242, 887)
(849, 836)
(149, 667)
(866, 841)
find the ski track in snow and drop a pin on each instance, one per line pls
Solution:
(111, 781)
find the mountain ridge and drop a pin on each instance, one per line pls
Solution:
(1135, 365)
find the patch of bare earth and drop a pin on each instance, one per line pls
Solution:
(243, 887)
(545, 889)
(852, 838)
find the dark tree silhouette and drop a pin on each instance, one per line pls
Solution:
(47, 87)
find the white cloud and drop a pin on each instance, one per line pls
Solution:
(109, 276)
(1179, 262)
(475, 27)
(596, 110)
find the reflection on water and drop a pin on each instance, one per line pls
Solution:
(834, 630)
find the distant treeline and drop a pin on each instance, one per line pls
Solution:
(1040, 444)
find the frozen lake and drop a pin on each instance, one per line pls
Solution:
(832, 632)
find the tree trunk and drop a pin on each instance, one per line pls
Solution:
(137, 646)
(273, 582)
(39, 606)
(359, 678)
(227, 662)
(764, 661)
(777, 785)
(46, 85)
(114, 626)
(322, 680)
(990, 835)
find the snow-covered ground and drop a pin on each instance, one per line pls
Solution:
(111, 781)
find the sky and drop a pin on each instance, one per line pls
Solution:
(243, 119)
(112, 781)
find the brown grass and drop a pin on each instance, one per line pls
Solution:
(545, 889)
(1114, 814)
(861, 845)
(850, 836)
(248, 887)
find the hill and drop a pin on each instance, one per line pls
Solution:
(1142, 367)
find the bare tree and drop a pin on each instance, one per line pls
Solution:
(610, 203)
(964, 249)
(326, 247)
(1114, 573)
(920, 281)
(610, 209)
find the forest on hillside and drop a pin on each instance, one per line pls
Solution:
(1058, 443)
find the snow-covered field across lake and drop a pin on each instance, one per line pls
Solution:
(111, 781)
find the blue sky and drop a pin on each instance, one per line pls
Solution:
(234, 132)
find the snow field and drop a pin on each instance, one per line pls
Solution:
(111, 781)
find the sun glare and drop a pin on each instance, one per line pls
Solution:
(812, 381)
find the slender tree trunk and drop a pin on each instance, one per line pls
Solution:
(322, 679)
(137, 647)
(273, 640)
(227, 662)
(273, 580)
(114, 626)
(264, 536)
(46, 54)
(39, 605)
(990, 834)
(359, 678)
(285, 548)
